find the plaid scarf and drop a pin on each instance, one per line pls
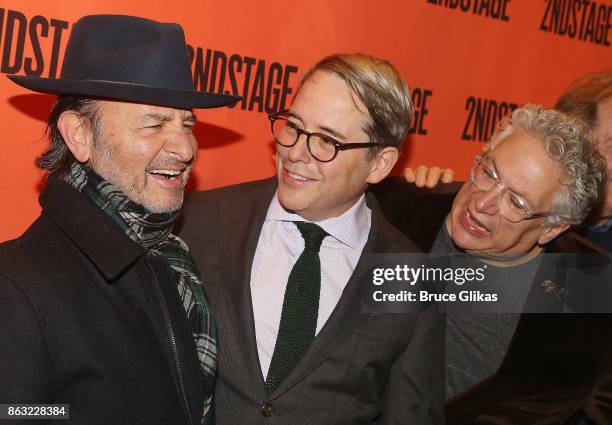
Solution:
(152, 231)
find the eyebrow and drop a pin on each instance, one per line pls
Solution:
(155, 116)
(326, 129)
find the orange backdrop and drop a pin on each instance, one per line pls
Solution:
(467, 61)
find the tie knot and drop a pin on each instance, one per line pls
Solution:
(313, 235)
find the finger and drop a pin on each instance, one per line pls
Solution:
(409, 175)
(433, 177)
(421, 176)
(448, 175)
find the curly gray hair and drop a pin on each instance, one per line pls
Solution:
(569, 142)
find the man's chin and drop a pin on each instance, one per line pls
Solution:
(162, 208)
(160, 204)
(289, 204)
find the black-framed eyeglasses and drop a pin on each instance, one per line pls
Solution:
(511, 206)
(322, 147)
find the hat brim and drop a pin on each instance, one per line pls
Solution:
(181, 99)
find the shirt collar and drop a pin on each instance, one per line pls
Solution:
(349, 228)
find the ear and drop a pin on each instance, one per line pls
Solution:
(550, 233)
(382, 164)
(77, 134)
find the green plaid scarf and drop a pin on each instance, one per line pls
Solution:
(152, 231)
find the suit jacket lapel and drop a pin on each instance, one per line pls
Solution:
(245, 218)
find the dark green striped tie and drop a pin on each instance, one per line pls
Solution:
(298, 322)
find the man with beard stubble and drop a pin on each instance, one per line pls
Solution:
(102, 307)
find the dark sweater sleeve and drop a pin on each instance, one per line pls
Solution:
(417, 212)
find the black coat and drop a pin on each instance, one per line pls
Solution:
(89, 319)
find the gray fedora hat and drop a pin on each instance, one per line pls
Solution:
(127, 58)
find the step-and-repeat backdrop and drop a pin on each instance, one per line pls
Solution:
(467, 62)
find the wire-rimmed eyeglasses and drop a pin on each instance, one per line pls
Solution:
(511, 206)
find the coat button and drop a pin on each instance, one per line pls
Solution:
(267, 410)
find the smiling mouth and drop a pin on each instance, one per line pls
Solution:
(167, 174)
(297, 177)
(474, 225)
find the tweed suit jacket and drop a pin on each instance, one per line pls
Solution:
(558, 366)
(360, 369)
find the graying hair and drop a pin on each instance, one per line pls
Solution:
(569, 142)
(381, 89)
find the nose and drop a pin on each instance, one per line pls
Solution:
(299, 151)
(182, 144)
(487, 202)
